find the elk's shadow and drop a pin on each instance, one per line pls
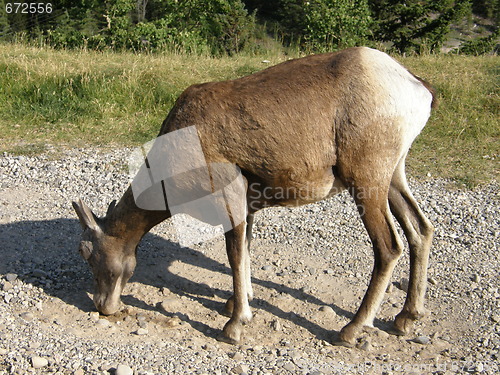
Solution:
(44, 253)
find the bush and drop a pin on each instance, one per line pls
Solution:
(223, 25)
(317, 25)
(335, 24)
(414, 25)
(481, 46)
(216, 26)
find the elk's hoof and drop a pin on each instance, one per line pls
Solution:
(347, 336)
(223, 338)
(403, 323)
(393, 330)
(231, 333)
(339, 342)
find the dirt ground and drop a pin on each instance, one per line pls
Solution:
(307, 286)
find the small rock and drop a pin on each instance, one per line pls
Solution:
(28, 316)
(142, 321)
(142, 332)
(79, 372)
(39, 362)
(326, 309)
(94, 316)
(237, 356)
(289, 366)
(124, 370)
(240, 369)
(404, 284)
(306, 289)
(7, 286)
(209, 348)
(11, 277)
(171, 304)
(102, 323)
(432, 281)
(173, 322)
(281, 352)
(424, 340)
(276, 325)
(495, 317)
(129, 310)
(267, 268)
(366, 345)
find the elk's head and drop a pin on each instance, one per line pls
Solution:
(109, 257)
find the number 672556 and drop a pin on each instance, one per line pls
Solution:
(28, 8)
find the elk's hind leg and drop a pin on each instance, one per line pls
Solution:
(419, 232)
(387, 246)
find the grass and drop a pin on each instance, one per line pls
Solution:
(79, 98)
(97, 98)
(461, 140)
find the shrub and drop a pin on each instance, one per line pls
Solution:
(414, 25)
(481, 46)
(335, 24)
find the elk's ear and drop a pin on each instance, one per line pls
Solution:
(111, 208)
(86, 216)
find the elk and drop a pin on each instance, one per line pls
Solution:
(311, 127)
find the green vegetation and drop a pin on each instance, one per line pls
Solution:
(461, 140)
(63, 96)
(413, 25)
(79, 98)
(226, 27)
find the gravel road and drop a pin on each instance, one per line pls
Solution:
(310, 267)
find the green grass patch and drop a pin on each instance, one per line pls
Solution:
(461, 140)
(80, 98)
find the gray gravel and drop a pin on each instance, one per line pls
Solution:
(48, 324)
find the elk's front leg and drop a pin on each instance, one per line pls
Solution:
(237, 252)
(228, 308)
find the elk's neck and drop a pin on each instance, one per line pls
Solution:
(129, 222)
